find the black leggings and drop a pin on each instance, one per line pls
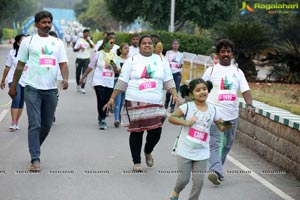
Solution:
(81, 66)
(136, 141)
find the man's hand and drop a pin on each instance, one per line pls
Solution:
(64, 84)
(12, 92)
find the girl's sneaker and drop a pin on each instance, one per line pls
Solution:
(13, 127)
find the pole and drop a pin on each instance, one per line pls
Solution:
(171, 29)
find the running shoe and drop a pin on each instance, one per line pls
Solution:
(213, 177)
(103, 125)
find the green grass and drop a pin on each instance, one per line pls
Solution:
(283, 96)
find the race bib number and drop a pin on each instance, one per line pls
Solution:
(107, 74)
(174, 65)
(47, 61)
(226, 95)
(147, 84)
(197, 136)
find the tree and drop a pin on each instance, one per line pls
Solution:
(157, 12)
(249, 39)
(13, 10)
(94, 14)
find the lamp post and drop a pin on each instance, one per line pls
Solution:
(171, 28)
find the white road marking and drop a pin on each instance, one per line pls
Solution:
(260, 179)
(2, 114)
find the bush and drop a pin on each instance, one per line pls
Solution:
(188, 43)
(9, 33)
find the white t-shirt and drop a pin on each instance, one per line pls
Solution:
(133, 51)
(145, 77)
(227, 81)
(83, 53)
(98, 44)
(103, 72)
(176, 60)
(11, 62)
(193, 141)
(43, 55)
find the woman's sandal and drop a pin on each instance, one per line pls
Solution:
(137, 168)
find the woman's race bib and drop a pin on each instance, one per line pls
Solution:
(147, 84)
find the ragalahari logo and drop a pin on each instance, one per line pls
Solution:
(246, 8)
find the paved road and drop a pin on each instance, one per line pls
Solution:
(79, 161)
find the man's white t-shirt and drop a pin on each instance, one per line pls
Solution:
(43, 55)
(145, 77)
(176, 60)
(193, 141)
(104, 74)
(133, 51)
(84, 53)
(227, 81)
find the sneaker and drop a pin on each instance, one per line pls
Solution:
(103, 125)
(17, 127)
(149, 160)
(35, 166)
(78, 88)
(171, 110)
(83, 91)
(213, 177)
(220, 176)
(12, 127)
(117, 124)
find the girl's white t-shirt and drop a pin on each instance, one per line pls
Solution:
(176, 60)
(193, 142)
(104, 74)
(227, 81)
(11, 62)
(42, 55)
(145, 77)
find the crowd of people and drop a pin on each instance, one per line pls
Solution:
(135, 77)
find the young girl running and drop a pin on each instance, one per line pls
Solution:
(192, 147)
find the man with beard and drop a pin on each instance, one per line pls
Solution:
(227, 80)
(134, 48)
(44, 55)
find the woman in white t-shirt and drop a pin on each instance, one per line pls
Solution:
(105, 64)
(192, 146)
(8, 73)
(143, 77)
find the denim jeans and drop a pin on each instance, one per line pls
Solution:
(18, 100)
(41, 105)
(177, 79)
(220, 146)
(118, 105)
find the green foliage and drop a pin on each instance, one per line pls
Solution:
(249, 39)
(13, 10)
(188, 43)
(202, 12)
(94, 14)
(9, 33)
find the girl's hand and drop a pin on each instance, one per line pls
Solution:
(191, 121)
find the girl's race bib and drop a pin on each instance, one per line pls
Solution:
(197, 136)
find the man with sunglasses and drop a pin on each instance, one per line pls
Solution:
(83, 48)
